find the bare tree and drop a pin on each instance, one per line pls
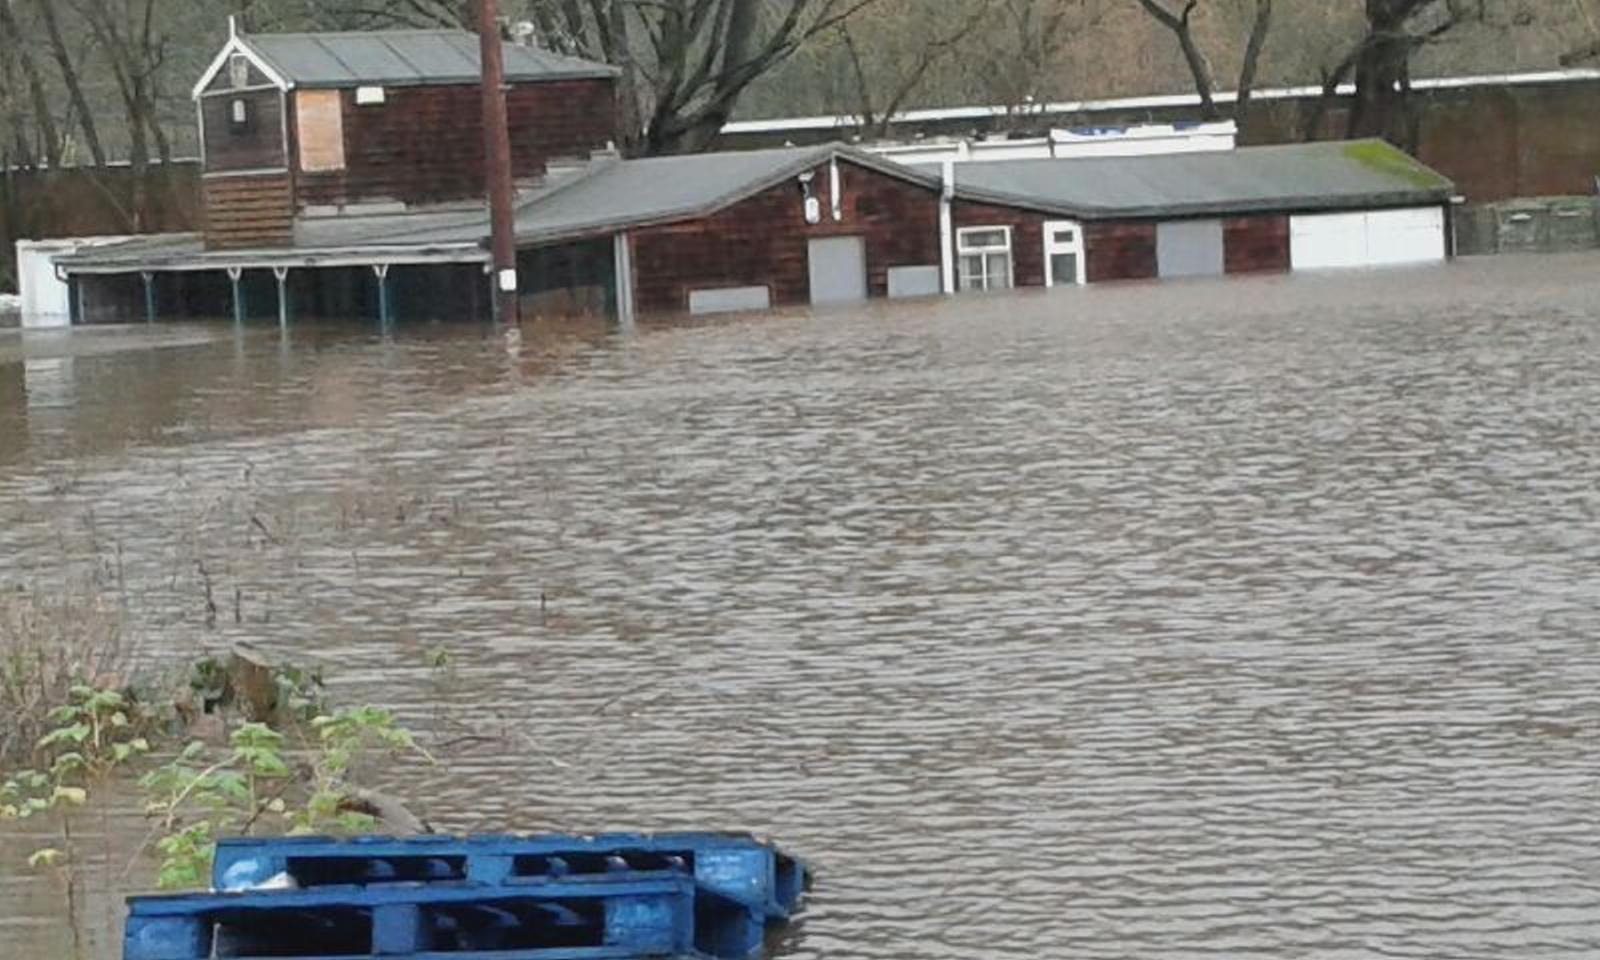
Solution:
(1181, 24)
(135, 51)
(891, 49)
(46, 137)
(684, 63)
(1381, 64)
(1031, 39)
(67, 67)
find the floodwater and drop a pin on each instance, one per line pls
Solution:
(1251, 618)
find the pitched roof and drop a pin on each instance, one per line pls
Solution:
(402, 58)
(617, 194)
(661, 189)
(1297, 177)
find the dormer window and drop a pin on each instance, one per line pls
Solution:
(239, 71)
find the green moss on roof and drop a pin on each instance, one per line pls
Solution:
(1380, 156)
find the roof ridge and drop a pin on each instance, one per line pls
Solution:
(404, 31)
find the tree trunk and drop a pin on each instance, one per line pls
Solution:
(1199, 68)
(1252, 60)
(1383, 75)
(621, 56)
(69, 78)
(44, 121)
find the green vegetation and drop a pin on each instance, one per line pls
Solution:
(251, 788)
(1383, 158)
(232, 747)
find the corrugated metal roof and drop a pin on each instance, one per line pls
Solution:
(404, 58)
(1311, 176)
(616, 195)
(660, 189)
(619, 194)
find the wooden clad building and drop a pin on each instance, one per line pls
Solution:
(294, 126)
(346, 171)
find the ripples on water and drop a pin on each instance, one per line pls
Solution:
(1249, 618)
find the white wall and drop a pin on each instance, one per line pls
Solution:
(45, 299)
(1374, 238)
(1140, 141)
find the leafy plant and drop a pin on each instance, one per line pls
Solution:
(90, 737)
(252, 788)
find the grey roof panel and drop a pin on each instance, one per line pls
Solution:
(616, 195)
(405, 57)
(299, 59)
(662, 189)
(1313, 176)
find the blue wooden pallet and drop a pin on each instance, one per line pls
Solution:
(736, 867)
(627, 916)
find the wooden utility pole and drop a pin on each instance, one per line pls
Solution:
(497, 163)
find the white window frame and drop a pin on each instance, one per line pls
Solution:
(963, 251)
(1054, 248)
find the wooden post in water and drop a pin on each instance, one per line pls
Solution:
(497, 163)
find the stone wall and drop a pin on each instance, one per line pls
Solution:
(1530, 225)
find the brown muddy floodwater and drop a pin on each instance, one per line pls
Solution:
(1256, 618)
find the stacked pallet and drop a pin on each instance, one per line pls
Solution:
(607, 897)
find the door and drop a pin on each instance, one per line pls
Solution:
(1328, 240)
(1064, 264)
(838, 270)
(1189, 248)
(1405, 236)
(1373, 238)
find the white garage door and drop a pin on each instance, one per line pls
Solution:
(1373, 239)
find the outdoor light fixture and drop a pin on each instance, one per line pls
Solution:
(813, 206)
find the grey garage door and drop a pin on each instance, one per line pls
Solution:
(1189, 248)
(838, 270)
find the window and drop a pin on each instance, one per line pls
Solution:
(239, 71)
(239, 116)
(1063, 254)
(985, 257)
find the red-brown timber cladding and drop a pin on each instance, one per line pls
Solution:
(762, 240)
(258, 145)
(249, 211)
(1027, 237)
(1120, 251)
(425, 144)
(1256, 244)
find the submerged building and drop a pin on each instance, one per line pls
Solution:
(343, 174)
